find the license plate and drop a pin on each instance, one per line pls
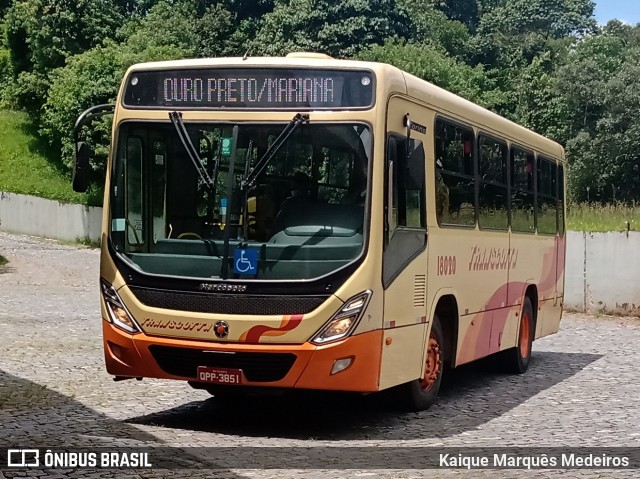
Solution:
(219, 375)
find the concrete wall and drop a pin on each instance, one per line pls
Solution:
(51, 219)
(602, 271)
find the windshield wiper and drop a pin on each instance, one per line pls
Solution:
(250, 178)
(176, 119)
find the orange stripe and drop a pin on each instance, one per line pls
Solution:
(288, 323)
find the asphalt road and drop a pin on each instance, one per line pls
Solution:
(582, 390)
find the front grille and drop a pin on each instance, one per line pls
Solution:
(227, 303)
(257, 367)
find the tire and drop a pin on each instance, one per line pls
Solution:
(516, 360)
(420, 394)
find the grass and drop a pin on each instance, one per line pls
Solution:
(24, 166)
(600, 218)
(3, 260)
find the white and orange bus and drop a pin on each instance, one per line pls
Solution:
(312, 223)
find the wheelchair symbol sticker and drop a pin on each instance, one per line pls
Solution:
(245, 261)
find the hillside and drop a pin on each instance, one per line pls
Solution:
(24, 167)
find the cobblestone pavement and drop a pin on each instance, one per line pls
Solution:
(582, 389)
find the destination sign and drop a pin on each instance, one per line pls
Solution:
(251, 88)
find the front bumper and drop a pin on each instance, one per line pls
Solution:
(303, 366)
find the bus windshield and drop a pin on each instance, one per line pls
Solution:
(303, 216)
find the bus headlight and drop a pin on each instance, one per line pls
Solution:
(118, 313)
(344, 321)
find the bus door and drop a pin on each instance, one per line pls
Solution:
(405, 242)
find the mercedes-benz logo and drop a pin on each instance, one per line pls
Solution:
(221, 329)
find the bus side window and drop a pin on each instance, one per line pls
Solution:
(414, 187)
(522, 191)
(455, 177)
(493, 211)
(547, 202)
(561, 219)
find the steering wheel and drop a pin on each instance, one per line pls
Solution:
(189, 234)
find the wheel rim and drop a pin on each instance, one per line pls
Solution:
(432, 364)
(525, 332)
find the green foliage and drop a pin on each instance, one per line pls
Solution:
(554, 18)
(89, 79)
(538, 105)
(434, 28)
(166, 25)
(463, 11)
(4, 5)
(216, 25)
(24, 167)
(6, 73)
(340, 29)
(512, 33)
(42, 34)
(600, 84)
(27, 91)
(20, 20)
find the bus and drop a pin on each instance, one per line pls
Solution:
(319, 224)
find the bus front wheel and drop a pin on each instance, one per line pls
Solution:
(421, 393)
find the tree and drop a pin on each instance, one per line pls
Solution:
(554, 18)
(603, 92)
(51, 30)
(432, 27)
(539, 105)
(167, 24)
(42, 34)
(464, 11)
(512, 33)
(340, 29)
(91, 78)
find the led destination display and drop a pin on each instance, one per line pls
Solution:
(250, 88)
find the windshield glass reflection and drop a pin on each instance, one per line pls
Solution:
(302, 217)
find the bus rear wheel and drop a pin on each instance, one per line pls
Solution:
(517, 359)
(421, 393)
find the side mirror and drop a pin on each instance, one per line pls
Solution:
(81, 168)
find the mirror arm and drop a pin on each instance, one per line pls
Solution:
(89, 114)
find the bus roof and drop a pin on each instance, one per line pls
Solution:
(293, 60)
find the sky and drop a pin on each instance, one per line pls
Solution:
(625, 10)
